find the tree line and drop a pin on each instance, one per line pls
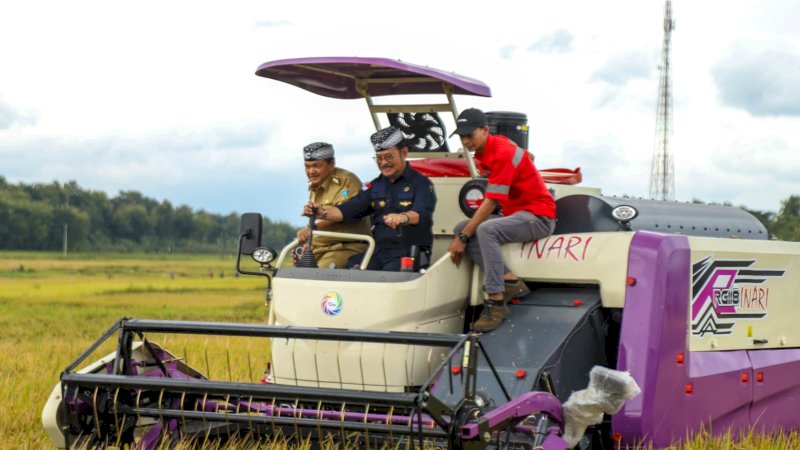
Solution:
(785, 225)
(35, 217)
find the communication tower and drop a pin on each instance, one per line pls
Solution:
(662, 181)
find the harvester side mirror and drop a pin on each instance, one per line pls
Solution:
(250, 244)
(250, 233)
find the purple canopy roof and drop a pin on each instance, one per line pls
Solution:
(337, 77)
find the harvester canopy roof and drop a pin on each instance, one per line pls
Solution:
(355, 77)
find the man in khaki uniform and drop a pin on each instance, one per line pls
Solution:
(329, 185)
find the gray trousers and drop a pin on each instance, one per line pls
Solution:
(484, 247)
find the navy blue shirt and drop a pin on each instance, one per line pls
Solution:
(411, 191)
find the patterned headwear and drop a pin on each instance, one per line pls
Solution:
(386, 138)
(318, 151)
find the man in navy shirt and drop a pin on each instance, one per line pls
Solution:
(400, 203)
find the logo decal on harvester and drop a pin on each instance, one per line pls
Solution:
(332, 303)
(726, 291)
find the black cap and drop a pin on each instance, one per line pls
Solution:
(469, 120)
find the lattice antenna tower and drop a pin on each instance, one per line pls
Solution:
(662, 174)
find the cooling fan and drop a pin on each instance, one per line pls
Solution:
(424, 131)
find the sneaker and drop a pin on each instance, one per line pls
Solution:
(518, 289)
(491, 317)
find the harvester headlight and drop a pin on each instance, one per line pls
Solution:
(624, 213)
(264, 255)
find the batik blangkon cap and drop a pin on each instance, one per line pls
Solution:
(318, 151)
(386, 138)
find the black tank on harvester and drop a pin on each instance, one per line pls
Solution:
(513, 125)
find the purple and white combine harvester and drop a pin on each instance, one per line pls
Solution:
(646, 321)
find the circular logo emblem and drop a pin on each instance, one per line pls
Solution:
(332, 303)
(474, 198)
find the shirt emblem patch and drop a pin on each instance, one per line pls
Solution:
(406, 189)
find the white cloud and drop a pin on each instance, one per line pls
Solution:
(11, 116)
(270, 23)
(624, 67)
(559, 41)
(760, 78)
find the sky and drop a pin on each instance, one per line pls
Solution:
(161, 97)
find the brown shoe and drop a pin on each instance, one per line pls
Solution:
(515, 290)
(491, 317)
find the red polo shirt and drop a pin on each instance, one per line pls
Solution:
(513, 179)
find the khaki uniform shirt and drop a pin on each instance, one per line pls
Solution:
(338, 188)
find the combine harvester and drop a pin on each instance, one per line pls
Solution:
(690, 303)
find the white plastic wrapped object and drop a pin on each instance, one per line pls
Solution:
(607, 391)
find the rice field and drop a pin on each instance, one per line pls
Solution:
(54, 307)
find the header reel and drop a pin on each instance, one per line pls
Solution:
(143, 395)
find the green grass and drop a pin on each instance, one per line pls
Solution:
(54, 307)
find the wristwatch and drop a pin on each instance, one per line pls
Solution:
(464, 238)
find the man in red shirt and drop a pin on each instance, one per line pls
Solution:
(528, 214)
